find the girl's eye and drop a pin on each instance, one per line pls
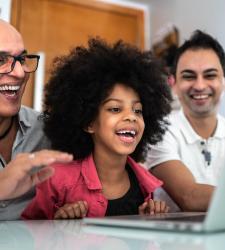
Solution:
(138, 111)
(114, 110)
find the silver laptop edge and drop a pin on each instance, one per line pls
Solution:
(214, 221)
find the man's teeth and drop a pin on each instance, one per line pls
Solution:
(9, 87)
(199, 97)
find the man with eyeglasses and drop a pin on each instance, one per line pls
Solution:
(21, 131)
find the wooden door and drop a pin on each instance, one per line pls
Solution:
(55, 26)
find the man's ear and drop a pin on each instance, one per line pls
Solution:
(173, 84)
(171, 80)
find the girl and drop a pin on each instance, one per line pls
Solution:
(103, 103)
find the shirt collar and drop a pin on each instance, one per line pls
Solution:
(219, 133)
(92, 181)
(89, 172)
(186, 129)
(191, 136)
(147, 181)
(24, 121)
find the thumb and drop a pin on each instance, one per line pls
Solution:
(141, 208)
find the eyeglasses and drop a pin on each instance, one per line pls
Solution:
(29, 63)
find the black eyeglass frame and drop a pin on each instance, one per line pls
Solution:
(19, 59)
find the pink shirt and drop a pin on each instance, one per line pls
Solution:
(79, 181)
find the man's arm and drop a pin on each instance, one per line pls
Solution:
(180, 184)
(24, 171)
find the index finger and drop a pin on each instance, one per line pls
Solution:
(46, 157)
(35, 161)
(151, 204)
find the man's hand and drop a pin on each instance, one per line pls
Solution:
(27, 170)
(75, 210)
(152, 207)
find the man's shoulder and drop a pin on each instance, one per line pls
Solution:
(30, 118)
(219, 133)
(28, 113)
(177, 122)
(175, 117)
(30, 136)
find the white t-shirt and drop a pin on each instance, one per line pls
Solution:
(182, 143)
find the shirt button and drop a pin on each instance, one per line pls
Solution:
(2, 205)
(101, 202)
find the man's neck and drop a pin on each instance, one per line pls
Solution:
(203, 126)
(4, 124)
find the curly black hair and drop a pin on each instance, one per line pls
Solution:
(81, 81)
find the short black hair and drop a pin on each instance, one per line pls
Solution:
(81, 81)
(200, 40)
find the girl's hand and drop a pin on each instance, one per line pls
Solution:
(75, 210)
(152, 207)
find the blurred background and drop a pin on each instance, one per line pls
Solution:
(53, 27)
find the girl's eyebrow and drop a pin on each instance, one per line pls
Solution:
(118, 100)
(112, 99)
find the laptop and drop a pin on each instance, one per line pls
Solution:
(212, 221)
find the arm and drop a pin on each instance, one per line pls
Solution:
(180, 184)
(22, 173)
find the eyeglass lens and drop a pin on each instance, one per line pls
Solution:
(29, 63)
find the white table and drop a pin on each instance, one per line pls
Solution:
(73, 234)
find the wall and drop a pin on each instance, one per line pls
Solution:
(188, 16)
(5, 6)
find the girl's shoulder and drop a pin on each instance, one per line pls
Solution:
(66, 166)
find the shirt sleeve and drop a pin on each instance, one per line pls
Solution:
(166, 150)
(44, 204)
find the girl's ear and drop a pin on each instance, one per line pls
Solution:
(89, 129)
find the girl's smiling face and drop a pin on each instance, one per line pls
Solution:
(119, 125)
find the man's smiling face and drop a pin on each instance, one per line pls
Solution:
(12, 85)
(199, 82)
